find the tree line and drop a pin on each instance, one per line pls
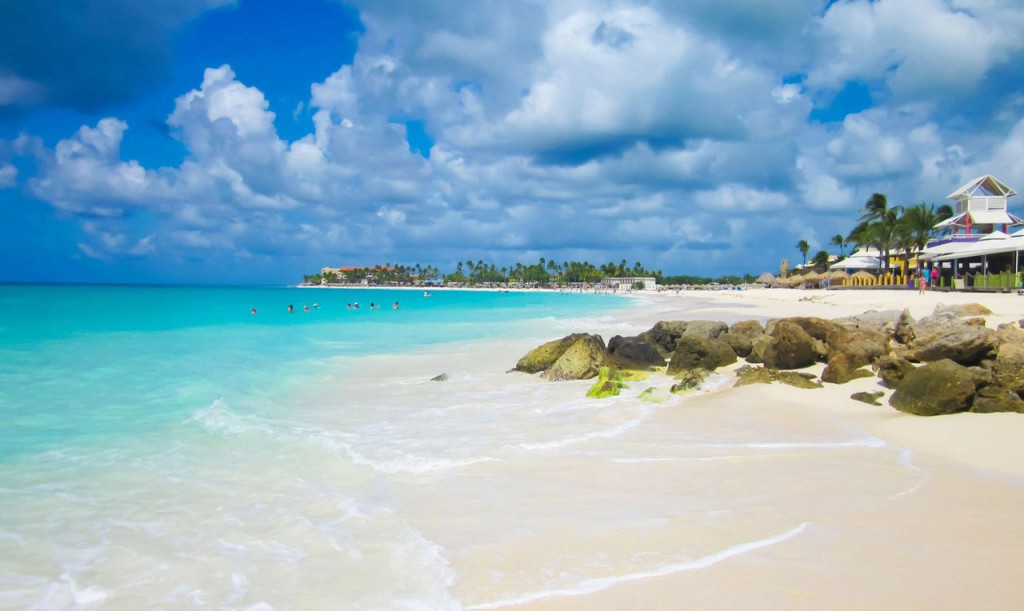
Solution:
(545, 272)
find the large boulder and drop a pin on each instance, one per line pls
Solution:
(818, 328)
(663, 335)
(757, 347)
(943, 336)
(739, 343)
(940, 387)
(544, 356)
(1008, 365)
(997, 399)
(706, 328)
(860, 346)
(790, 347)
(693, 351)
(634, 353)
(883, 321)
(749, 328)
(963, 309)
(580, 361)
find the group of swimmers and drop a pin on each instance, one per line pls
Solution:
(350, 306)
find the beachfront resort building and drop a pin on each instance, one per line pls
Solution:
(625, 284)
(981, 204)
(977, 239)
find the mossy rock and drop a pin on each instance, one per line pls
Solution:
(941, 387)
(654, 395)
(544, 356)
(799, 379)
(608, 384)
(581, 361)
(766, 375)
(693, 351)
(993, 399)
(689, 379)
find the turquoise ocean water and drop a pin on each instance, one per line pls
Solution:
(130, 414)
(89, 364)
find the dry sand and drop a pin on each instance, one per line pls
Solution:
(929, 520)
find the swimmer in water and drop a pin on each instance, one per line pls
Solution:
(253, 311)
(395, 306)
(291, 308)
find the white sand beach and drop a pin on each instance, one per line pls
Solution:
(764, 496)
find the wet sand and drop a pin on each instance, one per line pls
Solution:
(764, 496)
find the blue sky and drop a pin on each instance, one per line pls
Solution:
(253, 141)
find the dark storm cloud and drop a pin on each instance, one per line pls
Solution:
(87, 54)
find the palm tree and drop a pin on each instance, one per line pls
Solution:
(841, 242)
(883, 220)
(803, 247)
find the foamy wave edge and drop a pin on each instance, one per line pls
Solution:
(591, 586)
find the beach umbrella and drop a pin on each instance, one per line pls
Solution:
(766, 278)
(812, 276)
(796, 280)
(838, 276)
(862, 275)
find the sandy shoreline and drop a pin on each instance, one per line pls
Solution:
(901, 512)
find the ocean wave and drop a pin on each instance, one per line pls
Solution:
(590, 436)
(590, 586)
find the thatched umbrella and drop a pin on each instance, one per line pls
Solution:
(837, 276)
(812, 276)
(766, 278)
(796, 280)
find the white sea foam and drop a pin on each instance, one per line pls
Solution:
(591, 586)
(590, 436)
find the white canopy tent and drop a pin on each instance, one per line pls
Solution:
(857, 261)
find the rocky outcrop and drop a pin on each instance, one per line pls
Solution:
(790, 347)
(943, 336)
(967, 366)
(706, 328)
(580, 361)
(544, 356)
(1008, 365)
(873, 320)
(693, 351)
(634, 353)
(941, 387)
(997, 399)
(663, 336)
(842, 368)
(961, 310)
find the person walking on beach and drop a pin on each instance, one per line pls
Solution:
(935, 277)
(922, 283)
